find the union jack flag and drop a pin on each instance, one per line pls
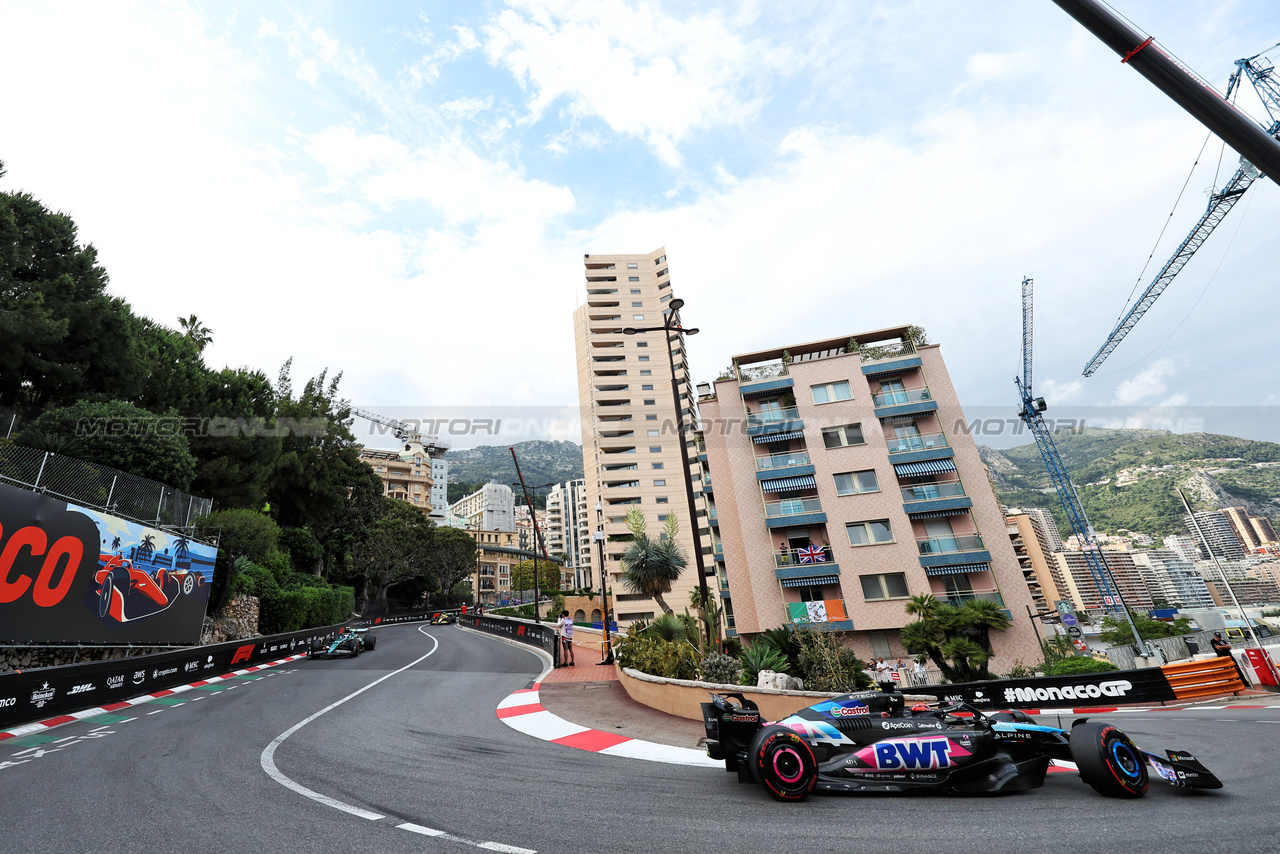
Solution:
(812, 554)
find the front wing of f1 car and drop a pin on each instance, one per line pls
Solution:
(867, 742)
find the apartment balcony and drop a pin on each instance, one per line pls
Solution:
(949, 545)
(818, 556)
(914, 449)
(933, 498)
(789, 464)
(793, 511)
(828, 615)
(889, 360)
(706, 484)
(909, 401)
(761, 379)
(772, 421)
(954, 554)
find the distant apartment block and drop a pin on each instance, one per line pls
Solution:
(1218, 535)
(437, 449)
(496, 553)
(406, 474)
(1172, 579)
(569, 527)
(1046, 526)
(1252, 583)
(1072, 575)
(1031, 547)
(1184, 545)
(489, 508)
(632, 456)
(839, 486)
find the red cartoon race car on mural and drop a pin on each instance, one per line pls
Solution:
(127, 592)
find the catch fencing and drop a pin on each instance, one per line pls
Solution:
(100, 487)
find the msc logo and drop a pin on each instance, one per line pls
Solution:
(244, 653)
(910, 754)
(82, 689)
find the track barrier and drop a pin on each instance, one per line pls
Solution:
(1208, 678)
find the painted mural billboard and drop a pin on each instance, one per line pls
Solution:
(73, 575)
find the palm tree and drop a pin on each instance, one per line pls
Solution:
(924, 606)
(979, 617)
(651, 566)
(968, 659)
(196, 332)
(147, 547)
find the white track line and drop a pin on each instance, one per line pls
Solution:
(268, 755)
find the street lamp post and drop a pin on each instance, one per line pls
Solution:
(598, 536)
(671, 323)
(537, 538)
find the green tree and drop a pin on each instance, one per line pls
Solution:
(62, 337)
(304, 550)
(237, 446)
(240, 533)
(956, 639)
(123, 436)
(651, 566)
(1116, 631)
(548, 576)
(452, 557)
(396, 550)
(196, 332)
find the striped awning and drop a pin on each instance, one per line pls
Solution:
(811, 581)
(957, 569)
(786, 484)
(785, 436)
(937, 514)
(926, 467)
(893, 372)
(901, 419)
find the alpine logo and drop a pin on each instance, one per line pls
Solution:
(908, 754)
(82, 689)
(1115, 688)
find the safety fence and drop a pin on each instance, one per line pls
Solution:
(100, 487)
(1211, 677)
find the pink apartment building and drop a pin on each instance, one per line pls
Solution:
(839, 484)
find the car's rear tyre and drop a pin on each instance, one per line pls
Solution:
(783, 763)
(1108, 760)
(370, 641)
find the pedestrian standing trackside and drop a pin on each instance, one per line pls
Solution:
(566, 640)
(1222, 647)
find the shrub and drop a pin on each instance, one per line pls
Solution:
(828, 665)
(304, 608)
(657, 657)
(721, 669)
(784, 640)
(1020, 671)
(251, 579)
(761, 656)
(240, 533)
(1080, 664)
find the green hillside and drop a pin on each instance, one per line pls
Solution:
(1126, 478)
(540, 461)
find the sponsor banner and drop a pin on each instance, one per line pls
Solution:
(49, 691)
(1114, 688)
(518, 630)
(372, 622)
(73, 575)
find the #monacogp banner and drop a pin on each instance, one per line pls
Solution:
(1112, 688)
(73, 575)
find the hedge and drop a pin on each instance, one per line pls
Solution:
(309, 607)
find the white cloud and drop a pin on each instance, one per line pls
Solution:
(465, 108)
(1147, 384)
(644, 73)
(1055, 392)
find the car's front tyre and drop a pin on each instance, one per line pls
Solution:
(1108, 760)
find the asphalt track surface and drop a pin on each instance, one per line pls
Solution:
(423, 751)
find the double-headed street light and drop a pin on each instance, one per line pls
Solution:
(671, 323)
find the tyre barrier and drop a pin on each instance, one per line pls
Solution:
(30, 695)
(1209, 678)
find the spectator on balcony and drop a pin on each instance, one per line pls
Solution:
(784, 554)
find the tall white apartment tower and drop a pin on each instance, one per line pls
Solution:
(632, 454)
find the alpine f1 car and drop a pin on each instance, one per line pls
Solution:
(868, 742)
(350, 642)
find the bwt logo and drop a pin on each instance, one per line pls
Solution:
(912, 754)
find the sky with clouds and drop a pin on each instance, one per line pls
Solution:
(403, 192)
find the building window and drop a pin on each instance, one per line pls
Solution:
(664, 298)
(659, 483)
(642, 343)
(655, 449)
(879, 644)
(648, 401)
(651, 417)
(662, 272)
(633, 278)
(660, 260)
(657, 465)
(662, 499)
(831, 392)
(646, 388)
(635, 290)
(637, 304)
(869, 533)
(637, 317)
(655, 432)
(644, 358)
(857, 482)
(839, 437)
(631, 265)
(646, 373)
(891, 585)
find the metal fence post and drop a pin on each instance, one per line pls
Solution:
(40, 473)
(159, 506)
(111, 492)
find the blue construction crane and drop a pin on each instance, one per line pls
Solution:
(1260, 74)
(1031, 414)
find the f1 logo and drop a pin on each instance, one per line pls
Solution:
(244, 653)
(519, 631)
